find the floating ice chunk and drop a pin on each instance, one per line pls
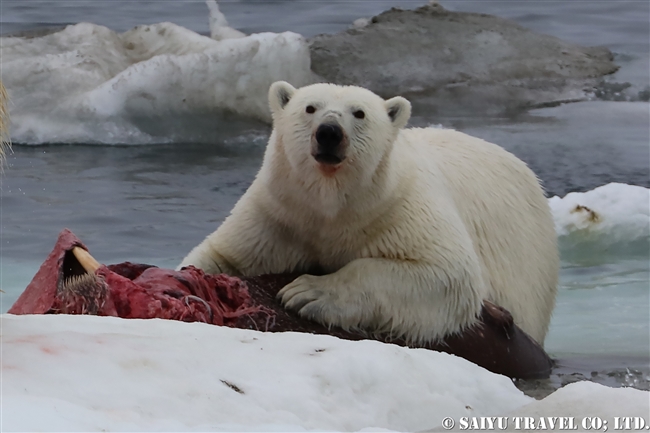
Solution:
(233, 74)
(87, 83)
(611, 214)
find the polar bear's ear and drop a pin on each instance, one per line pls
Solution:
(280, 94)
(399, 111)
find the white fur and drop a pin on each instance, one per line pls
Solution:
(413, 231)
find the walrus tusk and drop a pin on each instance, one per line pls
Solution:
(87, 261)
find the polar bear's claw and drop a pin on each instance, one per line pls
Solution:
(313, 299)
(296, 295)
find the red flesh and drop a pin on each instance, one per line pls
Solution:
(131, 290)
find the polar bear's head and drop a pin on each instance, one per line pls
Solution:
(335, 131)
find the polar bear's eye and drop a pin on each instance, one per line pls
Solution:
(310, 109)
(359, 114)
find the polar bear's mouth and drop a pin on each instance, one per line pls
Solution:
(328, 158)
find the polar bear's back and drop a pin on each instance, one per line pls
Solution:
(507, 214)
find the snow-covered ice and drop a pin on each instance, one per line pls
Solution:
(579, 402)
(608, 216)
(93, 373)
(87, 373)
(87, 83)
(587, 399)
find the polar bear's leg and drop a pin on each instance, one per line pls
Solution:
(417, 301)
(247, 244)
(206, 257)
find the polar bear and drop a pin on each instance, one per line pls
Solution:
(407, 230)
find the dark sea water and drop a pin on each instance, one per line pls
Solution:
(152, 203)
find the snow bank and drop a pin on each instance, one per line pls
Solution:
(87, 83)
(93, 373)
(581, 402)
(587, 399)
(610, 217)
(88, 373)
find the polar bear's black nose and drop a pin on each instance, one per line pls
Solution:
(329, 136)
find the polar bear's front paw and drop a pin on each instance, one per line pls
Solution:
(314, 299)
